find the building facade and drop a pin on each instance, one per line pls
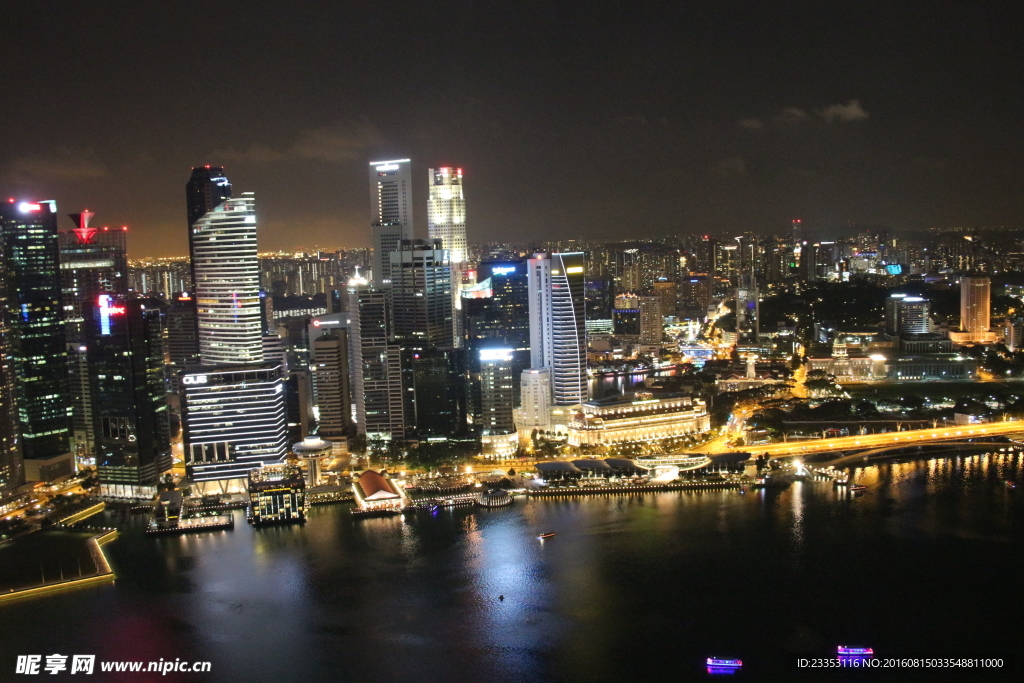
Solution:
(637, 418)
(391, 213)
(557, 323)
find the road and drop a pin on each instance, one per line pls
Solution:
(912, 437)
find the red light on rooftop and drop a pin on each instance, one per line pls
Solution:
(10, 200)
(207, 166)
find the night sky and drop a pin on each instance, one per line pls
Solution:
(570, 119)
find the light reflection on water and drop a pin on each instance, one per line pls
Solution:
(675, 576)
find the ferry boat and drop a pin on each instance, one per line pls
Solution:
(547, 534)
(858, 488)
(845, 651)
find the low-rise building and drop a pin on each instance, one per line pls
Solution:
(277, 494)
(636, 418)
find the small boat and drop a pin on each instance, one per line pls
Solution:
(858, 488)
(845, 651)
(724, 663)
(547, 534)
(1010, 484)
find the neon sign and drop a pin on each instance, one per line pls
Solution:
(503, 270)
(108, 309)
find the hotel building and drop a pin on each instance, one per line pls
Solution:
(637, 418)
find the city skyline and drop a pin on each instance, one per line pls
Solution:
(685, 133)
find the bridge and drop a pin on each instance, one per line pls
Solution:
(886, 441)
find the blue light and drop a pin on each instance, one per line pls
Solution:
(503, 270)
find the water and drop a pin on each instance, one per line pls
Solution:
(637, 588)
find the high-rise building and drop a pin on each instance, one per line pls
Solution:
(652, 323)
(421, 287)
(695, 295)
(975, 304)
(668, 291)
(10, 443)
(498, 390)
(376, 363)
(447, 212)
(31, 255)
(234, 422)
(748, 314)
(434, 390)
(534, 411)
(331, 390)
(226, 278)
(557, 323)
(391, 213)
(128, 399)
(182, 337)
(906, 314)
(205, 191)
(93, 262)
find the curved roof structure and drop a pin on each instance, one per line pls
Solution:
(592, 464)
(558, 466)
(625, 464)
(375, 487)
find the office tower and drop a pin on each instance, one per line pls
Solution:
(421, 288)
(182, 337)
(434, 391)
(31, 253)
(975, 305)
(376, 363)
(557, 329)
(234, 422)
(331, 388)
(652, 323)
(10, 444)
(600, 297)
(796, 231)
(447, 212)
(809, 261)
(390, 211)
(93, 261)
(498, 390)
(128, 399)
(906, 314)
(226, 278)
(206, 190)
(706, 256)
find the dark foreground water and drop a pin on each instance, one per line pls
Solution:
(636, 588)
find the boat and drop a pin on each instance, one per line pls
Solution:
(1010, 484)
(858, 488)
(547, 534)
(725, 663)
(845, 651)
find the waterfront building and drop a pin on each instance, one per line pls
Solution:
(375, 491)
(391, 212)
(277, 494)
(38, 352)
(225, 271)
(313, 450)
(234, 422)
(557, 327)
(421, 290)
(637, 418)
(498, 372)
(534, 411)
(128, 400)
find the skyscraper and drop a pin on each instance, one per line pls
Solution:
(234, 421)
(391, 214)
(557, 323)
(376, 363)
(128, 399)
(498, 385)
(447, 212)
(906, 314)
(652, 324)
(206, 190)
(10, 444)
(93, 261)
(31, 253)
(421, 287)
(975, 304)
(331, 383)
(226, 278)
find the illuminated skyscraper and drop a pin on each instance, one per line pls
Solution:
(226, 278)
(975, 304)
(31, 255)
(557, 323)
(447, 212)
(376, 363)
(206, 190)
(330, 363)
(10, 444)
(391, 214)
(128, 400)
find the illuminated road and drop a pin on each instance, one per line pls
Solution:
(910, 438)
